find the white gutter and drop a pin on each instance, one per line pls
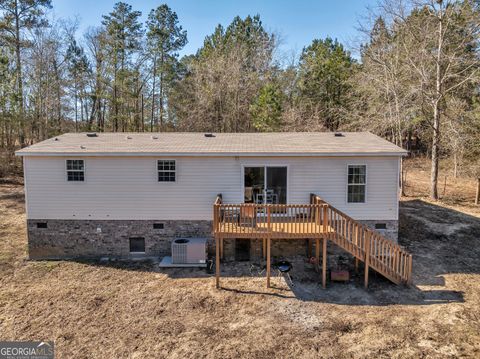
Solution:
(209, 154)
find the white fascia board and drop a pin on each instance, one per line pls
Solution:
(209, 154)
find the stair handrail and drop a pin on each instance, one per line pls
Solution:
(397, 268)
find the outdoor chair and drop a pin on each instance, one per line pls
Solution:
(248, 216)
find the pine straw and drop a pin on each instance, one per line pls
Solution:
(134, 310)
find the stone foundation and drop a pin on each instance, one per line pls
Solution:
(63, 239)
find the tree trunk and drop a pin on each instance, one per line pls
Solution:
(435, 153)
(93, 111)
(98, 94)
(76, 107)
(436, 113)
(115, 108)
(160, 94)
(142, 118)
(103, 115)
(80, 97)
(152, 120)
(19, 76)
(58, 124)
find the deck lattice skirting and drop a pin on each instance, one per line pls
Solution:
(317, 220)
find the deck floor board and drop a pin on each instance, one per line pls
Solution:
(278, 230)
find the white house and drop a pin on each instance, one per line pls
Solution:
(112, 194)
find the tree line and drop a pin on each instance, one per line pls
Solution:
(415, 80)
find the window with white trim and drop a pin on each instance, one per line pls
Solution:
(357, 183)
(166, 170)
(75, 170)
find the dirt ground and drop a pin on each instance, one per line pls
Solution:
(136, 310)
(455, 193)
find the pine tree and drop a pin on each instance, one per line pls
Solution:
(165, 37)
(78, 69)
(324, 70)
(18, 16)
(124, 35)
(267, 109)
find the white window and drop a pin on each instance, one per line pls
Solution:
(75, 171)
(166, 171)
(357, 183)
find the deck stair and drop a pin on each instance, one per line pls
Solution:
(374, 250)
(319, 221)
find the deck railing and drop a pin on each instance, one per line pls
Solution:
(376, 251)
(315, 220)
(273, 220)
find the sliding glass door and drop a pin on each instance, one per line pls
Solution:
(276, 185)
(265, 184)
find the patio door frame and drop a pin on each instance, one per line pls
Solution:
(265, 167)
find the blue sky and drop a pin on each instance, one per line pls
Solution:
(298, 22)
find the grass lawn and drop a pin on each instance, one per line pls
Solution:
(136, 310)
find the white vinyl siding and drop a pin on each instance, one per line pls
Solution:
(128, 187)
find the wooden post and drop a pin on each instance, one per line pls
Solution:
(325, 238)
(317, 254)
(477, 196)
(221, 248)
(264, 253)
(268, 247)
(268, 219)
(268, 261)
(356, 264)
(310, 248)
(325, 220)
(367, 256)
(409, 280)
(217, 261)
(324, 263)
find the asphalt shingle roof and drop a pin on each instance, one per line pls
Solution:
(221, 144)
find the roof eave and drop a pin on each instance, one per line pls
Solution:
(210, 154)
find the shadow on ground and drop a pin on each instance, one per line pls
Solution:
(442, 241)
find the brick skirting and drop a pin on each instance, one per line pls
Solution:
(64, 239)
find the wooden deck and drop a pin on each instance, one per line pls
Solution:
(274, 221)
(276, 230)
(318, 221)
